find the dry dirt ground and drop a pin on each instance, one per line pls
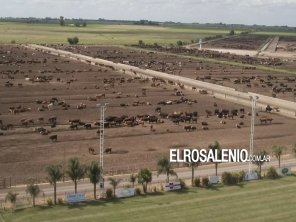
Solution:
(25, 154)
(244, 79)
(243, 42)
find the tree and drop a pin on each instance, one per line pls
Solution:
(133, 179)
(94, 175)
(179, 43)
(114, 183)
(216, 148)
(277, 151)
(75, 171)
(259, 162)
(141, 43)
(77, 24)
(165, 167)
(231, 32)
(62, 21)
(193, 165)
(144, 177)
(11, 197)
(33, 190)
(73, 41)
(54, 175)
(84, 24)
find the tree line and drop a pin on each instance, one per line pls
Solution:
(77, 171)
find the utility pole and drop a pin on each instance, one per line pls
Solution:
(64, 165)
(103, 107)
(200, 43)
(253, 101)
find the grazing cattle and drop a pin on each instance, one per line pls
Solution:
(81, 106)
(277, 109)
(73, 126)
(91, 150)
(208, 113)
(176, 121)
(205, 128)
(194, 120)
(40, 120)
(9, 126)
(268, 109)
(265, 120)
(44, 132)
(242, 110)
(237, 126)
(158, 109)
(187, 128)
(230, 116)
(52, 119)
(163, 115)
(53, 138)
(193, 128)
(74, 121)
(108, 150)
(223, 122)
(87, 126)
(202, 91)
(204, 123)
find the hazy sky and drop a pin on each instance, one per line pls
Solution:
(267, 12)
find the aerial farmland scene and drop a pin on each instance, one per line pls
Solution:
(147, 110)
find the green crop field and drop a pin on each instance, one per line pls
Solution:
(100, 33)
(266, 200)
(274, 33)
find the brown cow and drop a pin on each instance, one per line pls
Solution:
(108, 150)
(53, 138)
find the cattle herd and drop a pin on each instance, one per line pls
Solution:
(49, 108)
(246, 78)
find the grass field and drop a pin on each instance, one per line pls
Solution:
(108, 34)
(100, 33)
(266, 200)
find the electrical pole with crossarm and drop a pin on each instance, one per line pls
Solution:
(253, 101)
(103, 107)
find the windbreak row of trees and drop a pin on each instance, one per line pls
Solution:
(77, 23)
(76, 171)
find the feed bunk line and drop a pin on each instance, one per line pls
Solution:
(103, 107)
(253, 101)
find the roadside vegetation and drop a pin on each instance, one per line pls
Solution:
(268, 200)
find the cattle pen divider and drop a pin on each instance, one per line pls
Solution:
(285, 108)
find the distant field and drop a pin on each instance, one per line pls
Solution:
(100, 33)
(276, 33)
(266, 200)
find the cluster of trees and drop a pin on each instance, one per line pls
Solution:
(76, 171)
(80, 24)
(73, 41)
(77, 23)
(146, 22)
